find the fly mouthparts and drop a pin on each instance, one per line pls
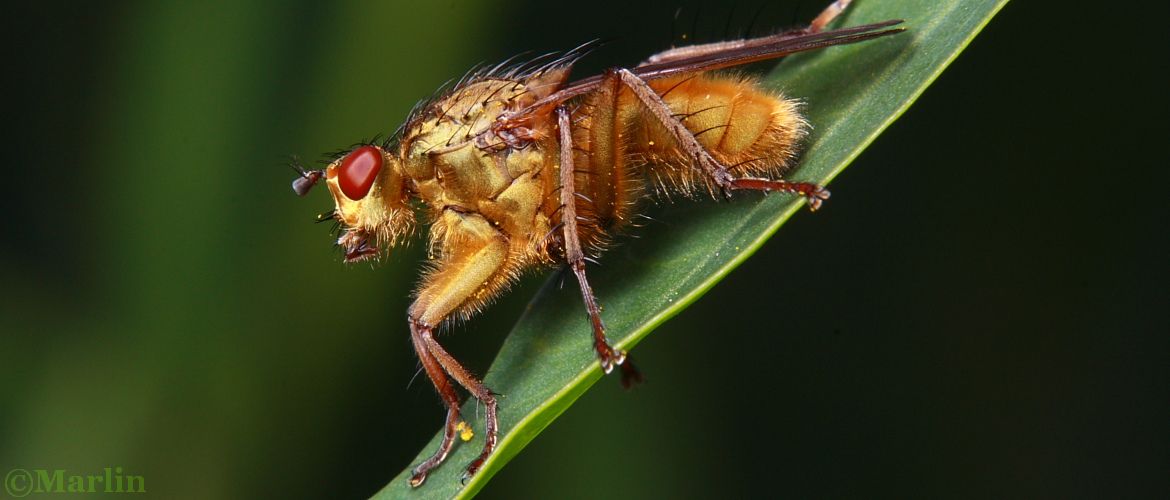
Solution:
(302, 184)
(364, 252)
(357, 247)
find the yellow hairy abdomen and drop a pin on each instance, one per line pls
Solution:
(746, 128)
(621, 149)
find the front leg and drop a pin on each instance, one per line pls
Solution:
(453, 424)
(473, 261)
(608, 356)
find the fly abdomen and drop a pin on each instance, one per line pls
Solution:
(620, 146)
(751, 131)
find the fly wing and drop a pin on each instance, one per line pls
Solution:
(754, 50)
(761, 49)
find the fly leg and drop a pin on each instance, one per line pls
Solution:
(818, 24)
(828, 15)
(717, 172)
(450, 399)
(476, 263)
(815, 194)
(606, 354)
(474, 386)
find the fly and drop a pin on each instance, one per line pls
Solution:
(517, 168)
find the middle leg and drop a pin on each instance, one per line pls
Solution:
(606, 353)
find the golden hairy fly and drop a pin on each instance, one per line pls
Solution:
(518, 169)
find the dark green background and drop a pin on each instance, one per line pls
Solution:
(982, 310)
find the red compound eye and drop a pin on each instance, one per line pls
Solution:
(358, 170)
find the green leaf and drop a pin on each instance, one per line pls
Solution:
(852, 93)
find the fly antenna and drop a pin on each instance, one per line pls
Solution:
(307, 178)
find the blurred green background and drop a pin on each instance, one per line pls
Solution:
(985, 316)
